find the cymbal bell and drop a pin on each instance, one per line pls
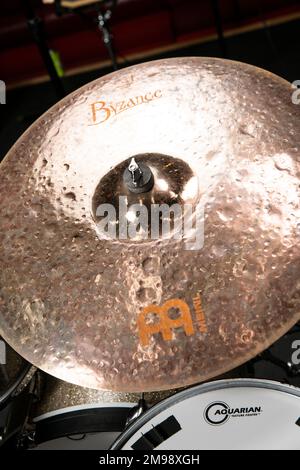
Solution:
(138, 313)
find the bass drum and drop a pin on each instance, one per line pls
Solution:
(226, 414)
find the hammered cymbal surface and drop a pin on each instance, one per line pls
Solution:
(70, 300)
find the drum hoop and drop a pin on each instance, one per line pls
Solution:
(198, 390)
(70, 409)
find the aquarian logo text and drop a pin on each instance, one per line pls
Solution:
(219, 412)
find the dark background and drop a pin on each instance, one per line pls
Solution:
(264, 33)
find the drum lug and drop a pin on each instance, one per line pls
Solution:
(137, 411)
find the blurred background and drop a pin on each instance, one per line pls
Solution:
(48, 48)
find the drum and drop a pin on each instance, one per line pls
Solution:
(72, 417)
(226, 414)
(81, 427)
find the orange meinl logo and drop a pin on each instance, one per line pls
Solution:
(165, 325)
(102, 110)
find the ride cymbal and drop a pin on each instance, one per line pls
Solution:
(144, 312)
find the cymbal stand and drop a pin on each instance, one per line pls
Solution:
(36, 26)
(104, 26)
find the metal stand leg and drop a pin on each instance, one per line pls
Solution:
(36, 27)
(103, 24)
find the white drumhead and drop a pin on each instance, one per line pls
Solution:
(226, 414)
